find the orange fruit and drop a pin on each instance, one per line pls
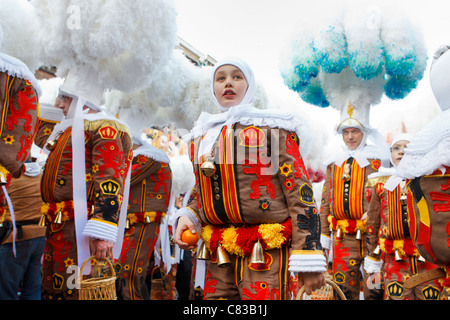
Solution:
(190, 238)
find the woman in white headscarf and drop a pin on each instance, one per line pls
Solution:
(252, 195)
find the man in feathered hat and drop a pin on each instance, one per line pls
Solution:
(83, 184)
(150, 190)
(345, 198)
(86, 177)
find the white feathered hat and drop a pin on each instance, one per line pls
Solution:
(107, 44)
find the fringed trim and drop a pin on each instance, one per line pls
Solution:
(3, 212)
(91, 122)
(349, 226)
(405, 247)
(445, 281)
(6, 174)
(152, 153)
(16, 68)
(249, 115)
(141, 217)
(96, 124)
(371, 182)
(51, 210)
(240, 240)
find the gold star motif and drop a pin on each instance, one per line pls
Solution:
(68, 262)
(286, 169)
(9, 139)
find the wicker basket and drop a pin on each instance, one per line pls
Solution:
(99, 286)
(324, 293)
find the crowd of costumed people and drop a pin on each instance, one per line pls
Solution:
(130, 171)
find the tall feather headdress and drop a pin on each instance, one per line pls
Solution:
(349, 58)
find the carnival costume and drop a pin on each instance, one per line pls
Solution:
(426, 166)
(19, 92)
(348, 61)
(252, 193)
(108, 155)
(86, 176)
(150, 191)
(345, 199)
(389, 244)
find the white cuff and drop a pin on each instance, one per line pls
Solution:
(372, 265)
(191, 215)
(99, 229)
(314, 262)
(325, 241)
(51, 114)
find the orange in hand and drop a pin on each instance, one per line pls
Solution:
(189, 237)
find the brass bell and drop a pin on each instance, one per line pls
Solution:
(208, 168)
(147, 219)
(3, 181)
(377, 250)
(50, 146)
(339, 233)
(358, 234)
(42, 221)
(127, 224)
(222, 257)
(58, 219)
(421, 259)
(403, 198)
(398, 257)
(257, 253)
(346, 175)
(203, 252)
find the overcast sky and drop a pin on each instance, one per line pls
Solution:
(257, 30)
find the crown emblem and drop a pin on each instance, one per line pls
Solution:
(395, 289)
(252, 137)
(306, 194)
(339, 277)
(110, 187)
(108, 132)
(430, 293)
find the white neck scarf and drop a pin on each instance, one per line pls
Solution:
(376, 149)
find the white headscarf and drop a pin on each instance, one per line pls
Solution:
(249, 77)
(400, 137)
(217, 122)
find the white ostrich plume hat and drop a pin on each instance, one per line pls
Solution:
(352, 117)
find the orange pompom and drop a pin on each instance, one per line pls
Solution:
(189, 237)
